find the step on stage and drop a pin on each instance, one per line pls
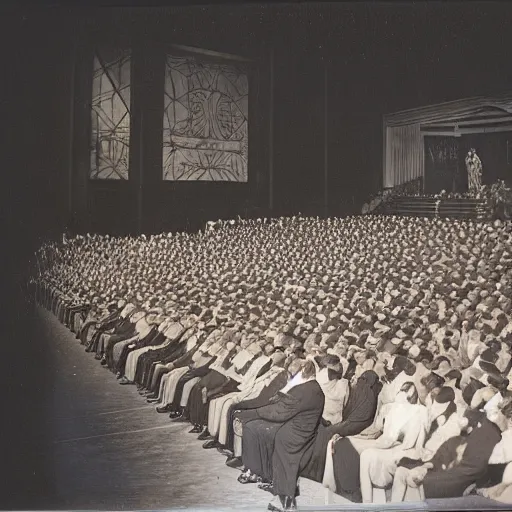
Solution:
(424, 206)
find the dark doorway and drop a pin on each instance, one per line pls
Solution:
(441, 164)
(495, 152)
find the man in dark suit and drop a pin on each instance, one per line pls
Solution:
(290, 368)
(275, 441)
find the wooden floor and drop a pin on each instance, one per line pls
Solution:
(111, 450)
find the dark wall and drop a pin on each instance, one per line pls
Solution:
(380, 58)
(36, 107)
(146, 203)
(34, 142)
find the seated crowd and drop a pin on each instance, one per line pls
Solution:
(371, 354)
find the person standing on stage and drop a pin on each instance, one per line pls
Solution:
(474, 168)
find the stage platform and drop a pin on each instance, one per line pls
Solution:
(423, 206)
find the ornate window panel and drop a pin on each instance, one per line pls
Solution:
(110, 126)
(205, 135)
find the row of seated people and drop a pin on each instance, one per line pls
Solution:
(369, 425)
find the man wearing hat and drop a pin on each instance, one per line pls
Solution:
(107, 335)
(223, 353)
(195, 350)
(292, 367)
(255, 371)
(199, 367)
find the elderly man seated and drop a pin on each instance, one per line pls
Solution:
(269, 394)
(265, 386)
(199, 368)
(250, 374)
(276, 436)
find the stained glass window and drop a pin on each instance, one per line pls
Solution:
(110, 135)
(205, 121)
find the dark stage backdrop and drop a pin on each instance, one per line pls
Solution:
(379, 59)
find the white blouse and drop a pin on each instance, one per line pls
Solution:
(336, 394)
(404, 420)
(502, 453)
